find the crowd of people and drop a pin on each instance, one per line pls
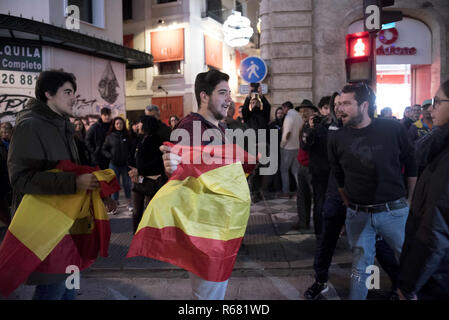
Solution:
(349, 169)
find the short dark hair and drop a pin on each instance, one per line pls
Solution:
(445, 87)
(362, 92)
(207, 81)
(324, 100)
(105, 110)
(51, 81)
(288, 104)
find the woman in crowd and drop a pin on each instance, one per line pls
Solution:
(173, 121)
(147, 169)
(275, 184)
(116, 148)
(80, 141)
(425, 255)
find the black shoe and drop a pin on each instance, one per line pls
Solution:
(315, 290)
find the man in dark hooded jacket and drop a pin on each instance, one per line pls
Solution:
(96, 135)
(43, 136)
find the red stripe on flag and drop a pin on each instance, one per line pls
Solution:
(194, 159)
(210, 259)
(16, 263)
(79, 250)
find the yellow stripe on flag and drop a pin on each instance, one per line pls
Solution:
(215, 205)
(50, 223)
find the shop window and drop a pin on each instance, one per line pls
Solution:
(172, 67)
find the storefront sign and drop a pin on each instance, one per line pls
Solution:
(389, 37)
(20, 58)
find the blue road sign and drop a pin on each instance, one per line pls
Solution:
(253, 69)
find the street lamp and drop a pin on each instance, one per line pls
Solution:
(237, 30)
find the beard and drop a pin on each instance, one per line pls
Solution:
(355, 120)
(214, 110)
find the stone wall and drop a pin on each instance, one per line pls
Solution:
(303, 42)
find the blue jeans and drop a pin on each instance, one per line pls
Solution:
(362, 229)
(54, 291)
(122, 171)
(289, 162)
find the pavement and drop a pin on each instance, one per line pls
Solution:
(274, 263)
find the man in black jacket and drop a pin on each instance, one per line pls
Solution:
(256, 115)
(43, 136)
(367, 157)
(96, 136)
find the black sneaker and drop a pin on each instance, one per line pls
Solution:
(315, 290)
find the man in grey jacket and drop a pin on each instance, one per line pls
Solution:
(43, 136)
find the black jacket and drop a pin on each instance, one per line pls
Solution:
(117, 147)
(146, 156)
(41, 138)
(425, 254)
(95, 138)
(257, 119)
(315, 142)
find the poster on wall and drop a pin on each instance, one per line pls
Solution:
(20, 66)
(100, 82)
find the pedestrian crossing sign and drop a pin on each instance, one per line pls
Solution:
(253, 69)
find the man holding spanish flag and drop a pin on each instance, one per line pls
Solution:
(59, 217)
(197, 220)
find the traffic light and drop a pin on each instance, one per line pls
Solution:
(375, 17)
(359, 57)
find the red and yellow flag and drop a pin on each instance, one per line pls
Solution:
(50, 232)
(197, 220)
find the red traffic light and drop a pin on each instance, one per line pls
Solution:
(358, 45)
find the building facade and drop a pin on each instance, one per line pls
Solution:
(81, 37)
(185, 37)
(303, 43)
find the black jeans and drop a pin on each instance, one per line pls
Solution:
(319, 185)
(334, 216)
(142, 195)
(304, 197)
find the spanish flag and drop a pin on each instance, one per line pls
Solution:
(197, 220)
(50, 232)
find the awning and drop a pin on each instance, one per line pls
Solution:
(31, 32)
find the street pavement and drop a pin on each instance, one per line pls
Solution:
(274, 263)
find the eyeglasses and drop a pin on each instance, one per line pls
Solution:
(436, 101)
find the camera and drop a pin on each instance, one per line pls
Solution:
(317, 119)
(254, 86)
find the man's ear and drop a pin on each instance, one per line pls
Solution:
(364, 106)
(204, 97)
(48, 95)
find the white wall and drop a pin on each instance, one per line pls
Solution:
(38, 9)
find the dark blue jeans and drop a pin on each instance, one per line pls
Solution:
(54, 291)
(122, 171)
(334, 217)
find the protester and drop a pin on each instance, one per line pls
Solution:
(422, 126)
(304, 192)
(425, 255)
(173, 121)
(407, 119)
(5, 186)
(275, 184)
(116, 148)
(147, 169)
(314, 141)
(334, 216)
(256, 113)
(367, 157)
(289, 146)
(43, 136)
(163, 130)
(96, 136)
(80, 141)
(213, 97)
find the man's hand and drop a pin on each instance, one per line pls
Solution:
(110, 204)
(171, 160)
(134, 175)
(87, 181)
